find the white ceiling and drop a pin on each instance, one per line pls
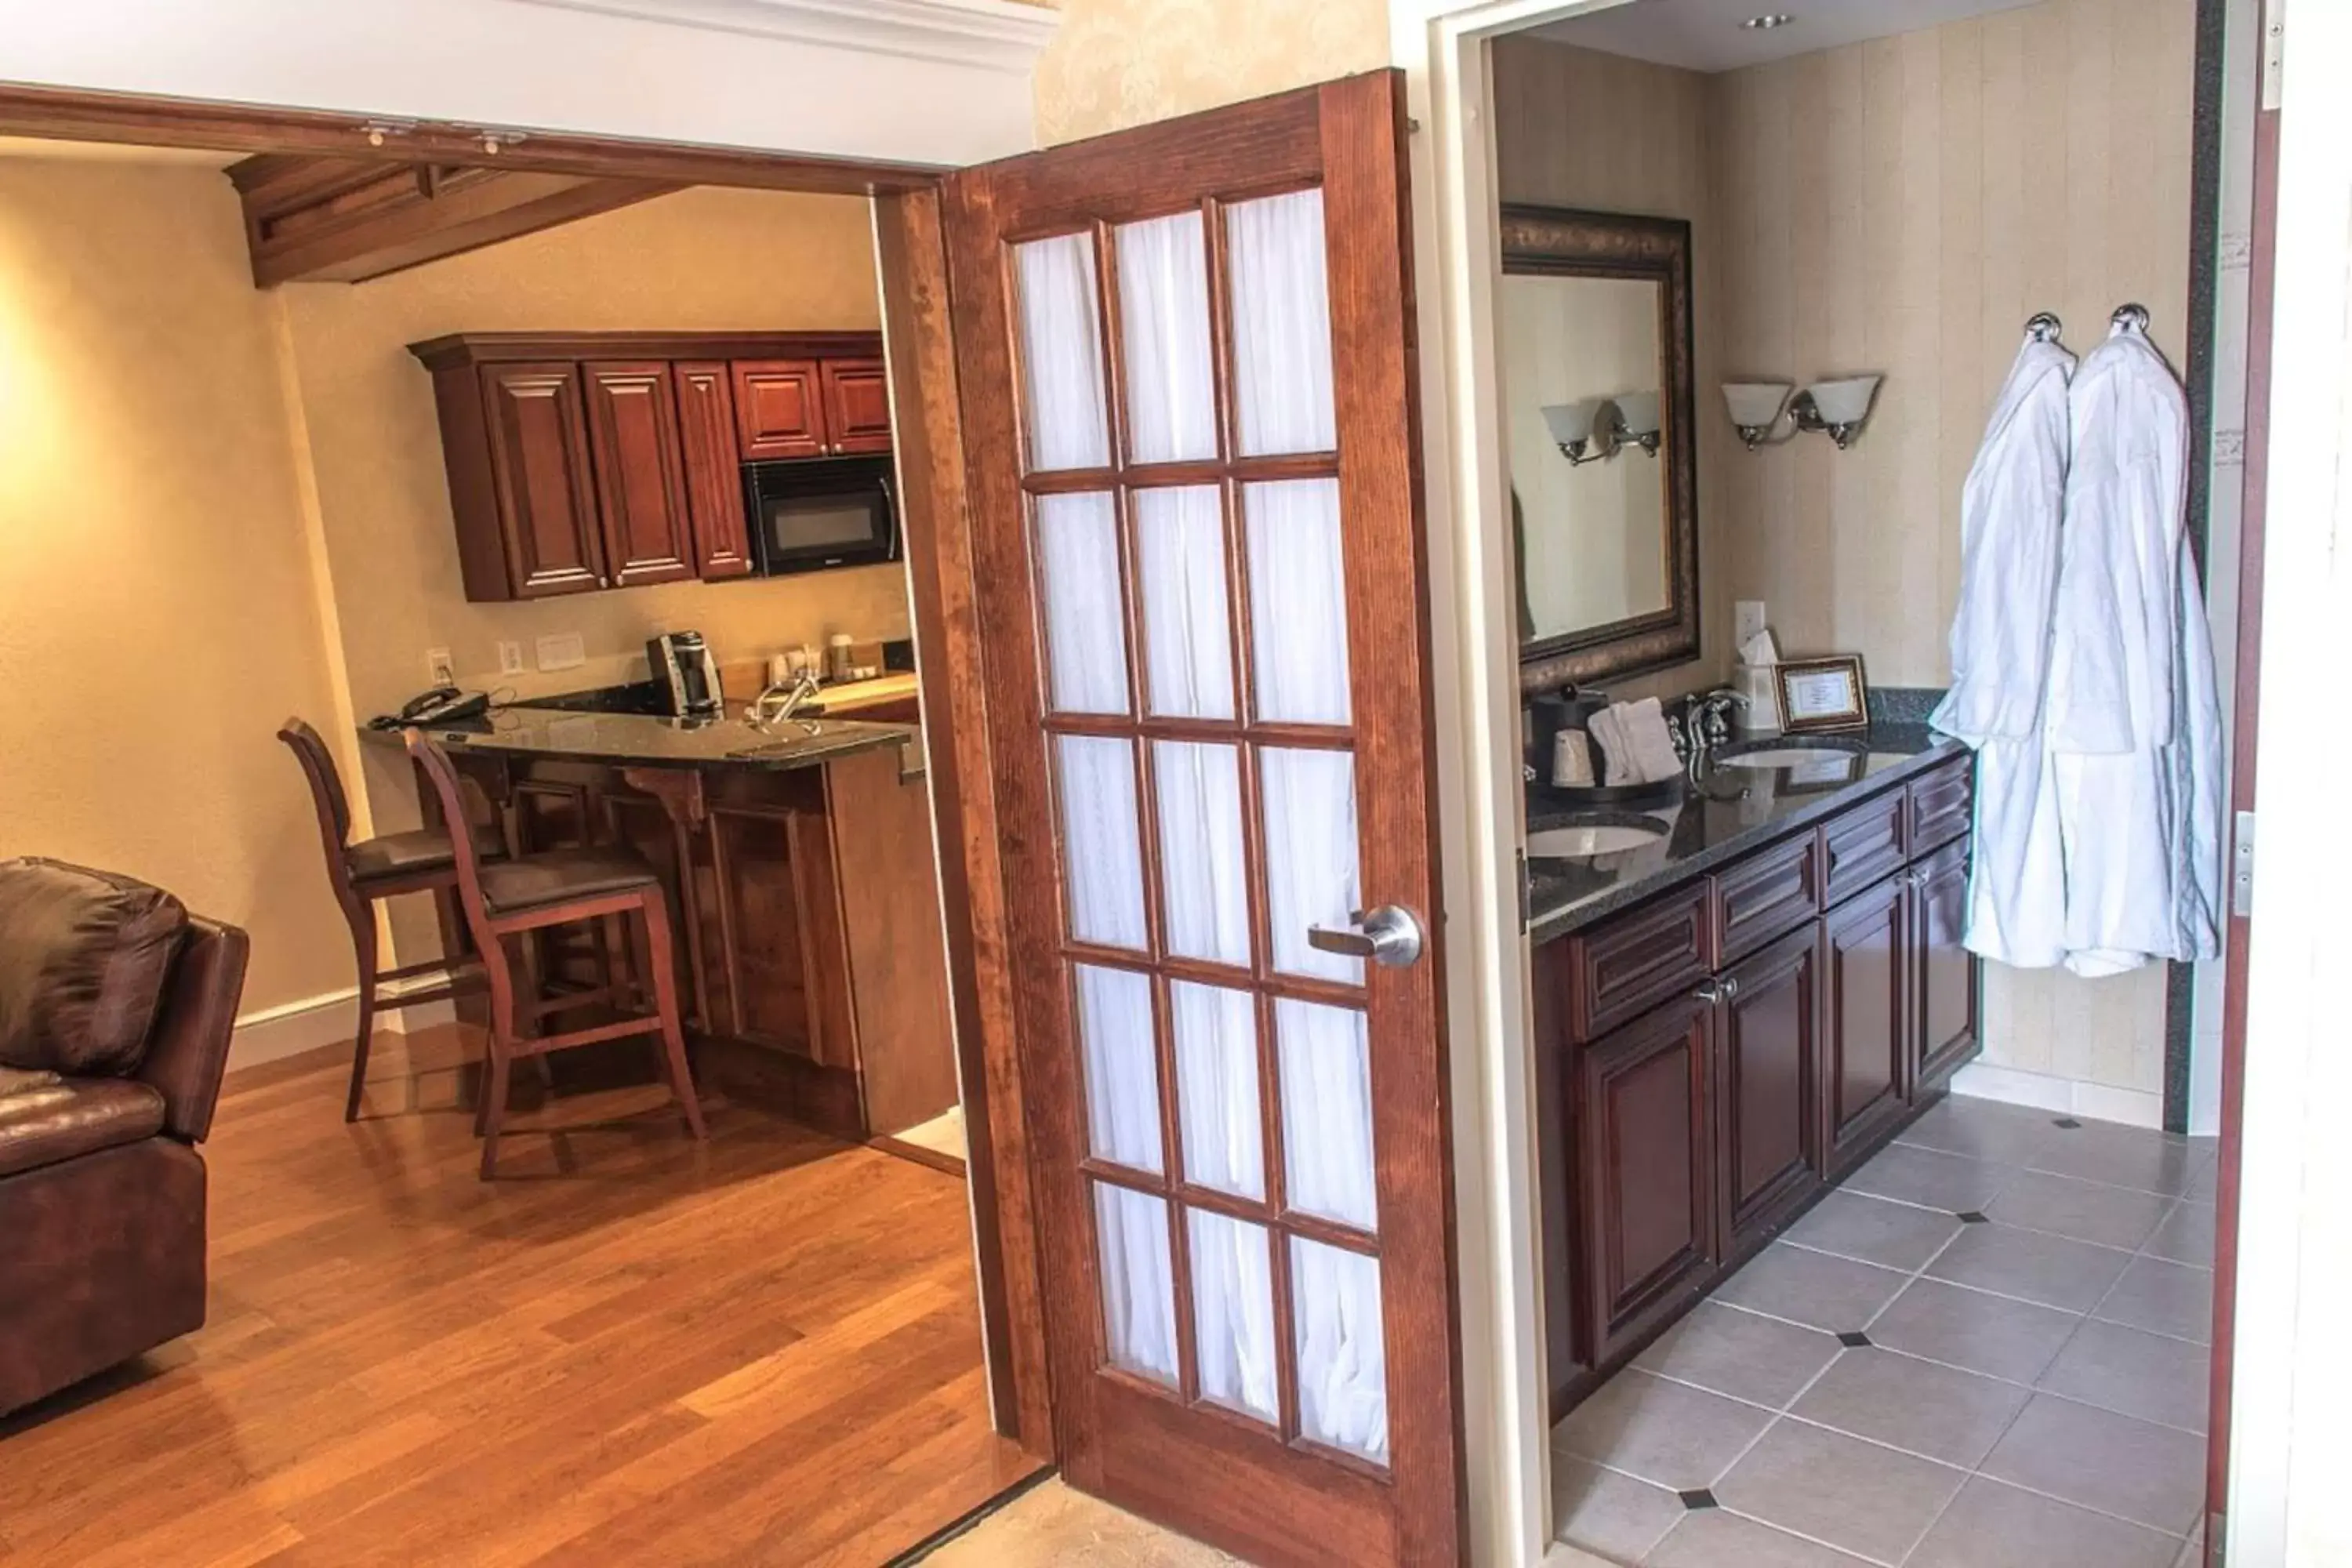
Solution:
(1706, 34)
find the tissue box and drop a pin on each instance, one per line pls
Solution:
(1761, 716)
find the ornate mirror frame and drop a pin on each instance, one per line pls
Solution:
(1563, 243)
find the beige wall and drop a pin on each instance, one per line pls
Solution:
(1900, 207)
(1116, 63)
(157, 617)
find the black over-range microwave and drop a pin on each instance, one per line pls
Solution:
(810, 513)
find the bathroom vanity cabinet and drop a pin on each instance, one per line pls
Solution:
(1710, 1058)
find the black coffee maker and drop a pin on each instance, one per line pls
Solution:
(684, 667)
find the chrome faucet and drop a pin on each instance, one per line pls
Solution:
(1706, 723)
(793, 696)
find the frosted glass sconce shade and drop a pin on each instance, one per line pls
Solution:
(1755, 408)
(1572, 421)
(1844, 402)
(1638, 411)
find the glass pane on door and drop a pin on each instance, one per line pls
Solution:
(1117, 1044)
(1343, 1385)
(1310, 857)
(1102, 854)
(1085, 624)
(1061, 353)
(1281, 325)
(1232, 1313)
(1202, 869)
(1217, 1088)
(1179, 569)
(1326, 1110)
(1138, 1284)
(1299, 602)
(1163, 318)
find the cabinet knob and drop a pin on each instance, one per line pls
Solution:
(1711, 993)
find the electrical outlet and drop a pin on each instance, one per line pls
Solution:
(562, 651)
(438, 671)
(1747, 620)
(510, 658)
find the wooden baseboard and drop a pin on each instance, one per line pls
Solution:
(935, 1159)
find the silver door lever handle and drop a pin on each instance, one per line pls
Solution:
(1388, 935)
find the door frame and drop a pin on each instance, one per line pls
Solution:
(919, 345)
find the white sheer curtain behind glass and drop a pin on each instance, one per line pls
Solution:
(1311, 876)
(1138, 1286)
(1102, 854)
(1326, 1110)
(1202, 867)
(1122, 1065)
(1163, 317)
(1086, 629)
(1299, 602)
(1216, 1087)
(1232, 1313)
(1180, 544)
(1282, 326)
(1061, 353)
(1343, 1397)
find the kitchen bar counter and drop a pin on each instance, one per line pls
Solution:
(659, 741)
(1733, 810)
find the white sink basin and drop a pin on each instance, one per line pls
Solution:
(1592, 838)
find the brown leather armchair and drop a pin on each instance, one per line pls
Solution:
(101, 1190)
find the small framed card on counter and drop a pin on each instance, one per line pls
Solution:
(1820, 695)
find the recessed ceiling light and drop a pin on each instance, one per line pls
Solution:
(1767, 21)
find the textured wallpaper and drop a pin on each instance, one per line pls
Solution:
(1122, 62)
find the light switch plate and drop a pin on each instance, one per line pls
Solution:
(510, 658)
(1747, 620)
(438, 669)
(562, 651)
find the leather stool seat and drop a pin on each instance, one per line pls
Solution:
(405, 853)
(562, 876)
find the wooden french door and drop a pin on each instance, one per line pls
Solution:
(1185, 367)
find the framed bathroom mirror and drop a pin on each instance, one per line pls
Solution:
(1593, 317)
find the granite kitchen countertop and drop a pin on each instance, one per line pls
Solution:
(1732, 811)
(660, 740)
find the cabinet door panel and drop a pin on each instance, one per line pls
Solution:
(1943, 973)
(714, 491)
(778, 409)
(539, 465)
(1768, 1046)
(1862, 1077)
(1648, 1169)
(856, 406)
(640, 472)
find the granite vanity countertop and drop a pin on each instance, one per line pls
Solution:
(660, 740)
(1734, 810)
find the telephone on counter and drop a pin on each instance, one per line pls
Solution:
(441, 705)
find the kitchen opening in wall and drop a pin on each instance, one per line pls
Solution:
(1877, 1182)
(597, 480)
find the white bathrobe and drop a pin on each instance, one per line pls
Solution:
(2010, 513)
(2133, 720)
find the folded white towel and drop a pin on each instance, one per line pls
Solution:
(1617, 763)
(1649, 749)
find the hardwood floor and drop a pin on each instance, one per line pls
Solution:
(628, 1350)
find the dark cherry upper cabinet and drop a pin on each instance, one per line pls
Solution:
(1943, 973)
(1767, 1047)
(1648, 1169)
(1867, 943)
(633, 436)
(856, 406)
(542, 522)
(586, 461)
(714, 497)
(779, 409)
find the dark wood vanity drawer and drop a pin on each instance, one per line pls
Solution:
(1772, 892)
(1941, 805)
(1861, 845)
(1626, 965)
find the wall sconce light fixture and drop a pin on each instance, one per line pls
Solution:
(1597, 427)
(1838, 409)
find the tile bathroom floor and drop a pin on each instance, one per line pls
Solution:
(1986, 1349)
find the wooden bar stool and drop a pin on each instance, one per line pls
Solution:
(373, 868)
(525, 893)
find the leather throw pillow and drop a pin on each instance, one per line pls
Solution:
(84, 956)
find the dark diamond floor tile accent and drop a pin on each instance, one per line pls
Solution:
(2068, 1122)
(1699, 1499)
(1853, 1341)
(1971, 1216)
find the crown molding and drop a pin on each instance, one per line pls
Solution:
(1001, 35)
